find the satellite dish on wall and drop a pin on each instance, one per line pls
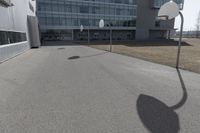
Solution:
(168, 11)
(101, 23)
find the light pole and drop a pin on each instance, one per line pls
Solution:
(101, 25)
(110, 37)
(88, 35)
(169, 11)
(81, 30)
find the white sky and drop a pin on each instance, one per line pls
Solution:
(190, 12)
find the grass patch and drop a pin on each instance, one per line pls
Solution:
(162, 52)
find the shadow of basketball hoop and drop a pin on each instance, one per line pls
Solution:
(156, 116)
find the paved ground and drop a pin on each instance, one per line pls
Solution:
(76, 89)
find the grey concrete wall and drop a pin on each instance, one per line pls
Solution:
(7, 52)
(15, 19)
(5, 16)
(146, 18)
(33, 32)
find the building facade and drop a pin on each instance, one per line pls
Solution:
(17, 23)
(128, 19)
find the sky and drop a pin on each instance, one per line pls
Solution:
(190, 13)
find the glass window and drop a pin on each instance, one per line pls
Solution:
(86, 12)
(7, 37)
(3, 38)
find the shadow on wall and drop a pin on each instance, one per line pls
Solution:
(156, 116)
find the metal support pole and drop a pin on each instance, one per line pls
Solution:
(73, 35)
(88, 35)
(168, 34)
(180, 40)
(110, 39)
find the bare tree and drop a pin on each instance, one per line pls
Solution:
(198, 26)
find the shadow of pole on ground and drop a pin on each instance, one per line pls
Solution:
(156, 116)
(79, 57)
